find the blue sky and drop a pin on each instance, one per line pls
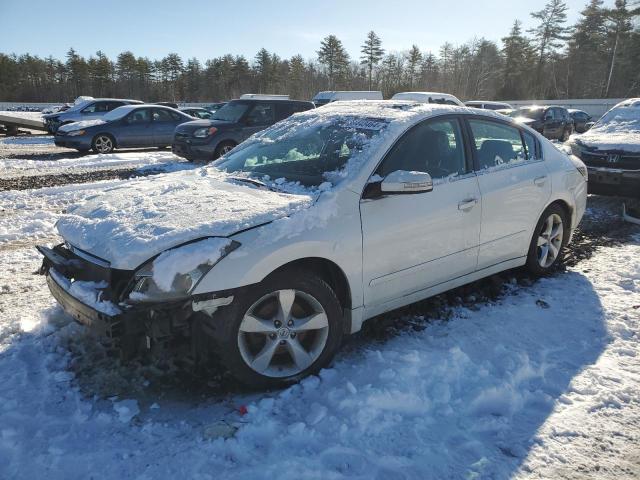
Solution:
(206, 29)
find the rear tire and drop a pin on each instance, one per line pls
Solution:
(549, 241)
(223, 148)
(281, 330)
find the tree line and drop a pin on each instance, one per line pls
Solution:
(598, 56)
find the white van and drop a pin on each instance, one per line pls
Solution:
(322, 98)
(428, 97)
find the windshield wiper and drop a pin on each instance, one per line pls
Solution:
(252, 181)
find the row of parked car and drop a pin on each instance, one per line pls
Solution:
(206, 134)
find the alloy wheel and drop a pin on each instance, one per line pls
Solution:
(104, 144)
(283, 333)
(550, 240)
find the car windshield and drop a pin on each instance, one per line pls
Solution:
(116, 113)
(302, 151)
(532, 113)
(231, 112)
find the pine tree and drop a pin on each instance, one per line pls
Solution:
(515, 51)
(372, 53)
(548, 34)
(334, 57)
(414, 59)
(262, 67)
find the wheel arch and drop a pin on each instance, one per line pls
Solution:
(109, 134)
(331, 273)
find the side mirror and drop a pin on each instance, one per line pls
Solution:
(402, 181)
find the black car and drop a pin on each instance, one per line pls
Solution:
(231, 125)
(611, 151)
(582, 121)
(552, 121)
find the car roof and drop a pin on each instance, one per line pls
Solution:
(259, 100)
(115, 100)
(396, 110)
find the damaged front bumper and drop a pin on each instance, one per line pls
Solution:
(94, 296)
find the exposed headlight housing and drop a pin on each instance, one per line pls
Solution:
(205, 132)
(75, 133)
(150, 286)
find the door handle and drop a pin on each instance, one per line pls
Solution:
(540, 181)
(467, 204)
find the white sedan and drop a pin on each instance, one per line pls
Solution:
(272, 254)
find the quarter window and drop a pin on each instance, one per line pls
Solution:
(435, 147)
(496, 144)
(530, 144)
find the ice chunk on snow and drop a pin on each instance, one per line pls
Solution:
(126, 410)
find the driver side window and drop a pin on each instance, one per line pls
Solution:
(433, 146)
(139, 116)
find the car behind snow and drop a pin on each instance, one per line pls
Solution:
(611, 150)
(269, 256)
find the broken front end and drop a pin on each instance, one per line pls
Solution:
(102, 298)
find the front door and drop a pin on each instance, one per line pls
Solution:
(415, 241)
(136, 129)
(515, 186)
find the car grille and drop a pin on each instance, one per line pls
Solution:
(608, 160)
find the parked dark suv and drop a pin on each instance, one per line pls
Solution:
(552, 121)
(231, 125)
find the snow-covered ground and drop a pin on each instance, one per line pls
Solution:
(542, 383)
(11, 167)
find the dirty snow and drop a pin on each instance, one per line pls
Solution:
(543, 383)
(27, 115)
(11, 167)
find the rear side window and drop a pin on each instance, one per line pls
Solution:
(435, 147)
(161, 115)
(496, 144)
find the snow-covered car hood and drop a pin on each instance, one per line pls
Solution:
(624, 138)
(127, 225)
(70, 127)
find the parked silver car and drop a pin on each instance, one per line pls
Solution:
(88, 110)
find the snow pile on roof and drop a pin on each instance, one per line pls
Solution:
(618, 129)
(128, 224)
(70, 127)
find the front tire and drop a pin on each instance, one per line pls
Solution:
(285, 328)
(549, 241)
(222, 149)
(103, 143)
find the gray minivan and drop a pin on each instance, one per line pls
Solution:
(91, 109)
(231, 125)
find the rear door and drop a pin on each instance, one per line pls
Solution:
(515, 188)
(164, 124)
(413, 242)
(136, 129)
